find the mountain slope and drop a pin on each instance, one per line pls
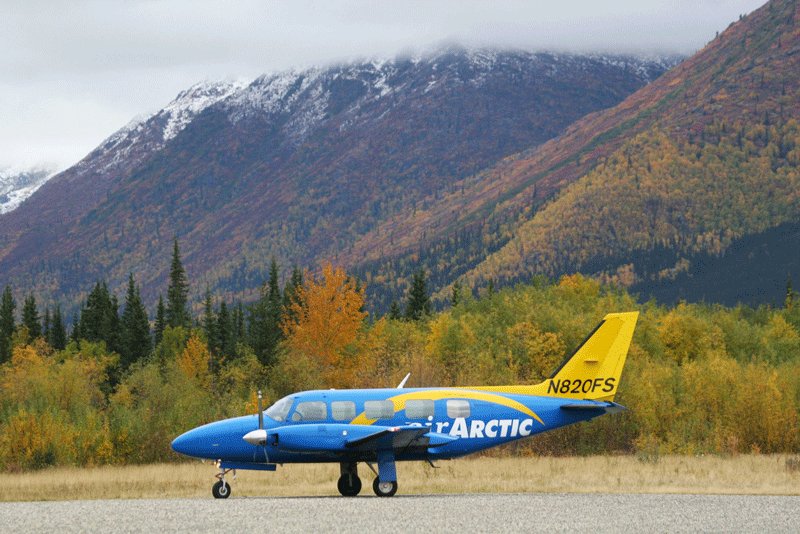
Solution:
(701, 157)
(297, 165)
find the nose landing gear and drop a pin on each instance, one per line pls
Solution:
(221, 489)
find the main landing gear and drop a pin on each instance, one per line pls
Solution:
(221, 489)
(349, 484)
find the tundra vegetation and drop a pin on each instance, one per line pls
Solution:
(699, 378)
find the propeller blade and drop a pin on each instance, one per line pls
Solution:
(260, 412)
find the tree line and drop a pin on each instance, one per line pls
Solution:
(699, 378)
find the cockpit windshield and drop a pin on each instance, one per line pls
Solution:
(280, 409)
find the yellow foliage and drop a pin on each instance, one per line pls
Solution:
(194, 361)
(325, 320)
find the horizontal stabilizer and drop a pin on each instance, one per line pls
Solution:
(603, 407)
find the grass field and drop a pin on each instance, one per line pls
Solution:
(756, 474)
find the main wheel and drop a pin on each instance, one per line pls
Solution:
(221, 490)
(384, 489)
(349, 485)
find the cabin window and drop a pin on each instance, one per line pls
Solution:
(310, 411)
(280, 409)
(343, 410)
(379, 409)
(419, 409)
(457, 408)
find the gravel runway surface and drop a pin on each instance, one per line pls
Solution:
(414, 513)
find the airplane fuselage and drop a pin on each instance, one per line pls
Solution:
(459, 421)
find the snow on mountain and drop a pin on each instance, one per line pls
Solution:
(16, 185)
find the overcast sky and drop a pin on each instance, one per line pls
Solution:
(73, 72)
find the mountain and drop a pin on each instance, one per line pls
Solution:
(703, 159)
(16, 185)
(297, 165)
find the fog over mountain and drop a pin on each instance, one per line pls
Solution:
(72, 72)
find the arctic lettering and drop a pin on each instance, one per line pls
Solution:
(504, 428)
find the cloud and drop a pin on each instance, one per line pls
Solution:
(72, 72)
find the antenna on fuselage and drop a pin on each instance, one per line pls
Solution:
(402, 383)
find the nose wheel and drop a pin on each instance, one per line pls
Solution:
(221, 489)
(384, 489)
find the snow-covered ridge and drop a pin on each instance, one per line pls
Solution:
(16, 185)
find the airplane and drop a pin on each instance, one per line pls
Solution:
(386, 426)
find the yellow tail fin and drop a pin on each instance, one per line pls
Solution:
(593, 371)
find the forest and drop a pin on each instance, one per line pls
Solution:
(116, 388)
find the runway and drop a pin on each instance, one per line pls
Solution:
(414, 513)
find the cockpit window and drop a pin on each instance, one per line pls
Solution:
(310, 411)
(280, 409)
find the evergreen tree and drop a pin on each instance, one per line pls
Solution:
(161, 321)
(75, 334)
(225, 335)
(100, 319)
(394, 311)
(419, 303)
(58, 332)
(7, 326)
(46, 325)
(135, 343)
(790, 293)
(30, 317)
(238, 321)
(210, 323)
(456, 297)
(177, 313)
(290, 292)
(265, 316)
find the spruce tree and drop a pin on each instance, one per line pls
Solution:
(210, 323)
(788, 303)
(7, 326)
(135, 343)
(30, 317)
(456, 297)
(46, 326)
(394, 311)
(224, 330)
(177, 313)
(291, 293)
(419, 303)
(75, 334)
(100, 319)
(161, 321)
(58, 332)
(265, 316)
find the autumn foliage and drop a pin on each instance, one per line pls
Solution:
(699, 379)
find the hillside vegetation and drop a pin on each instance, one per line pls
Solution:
(688, 196)
(699, 379)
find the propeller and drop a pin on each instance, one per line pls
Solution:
(258, 437)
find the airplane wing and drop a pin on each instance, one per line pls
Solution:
(399, 437)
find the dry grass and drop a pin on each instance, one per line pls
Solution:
(763, 475)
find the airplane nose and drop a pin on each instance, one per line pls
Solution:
(182, 444)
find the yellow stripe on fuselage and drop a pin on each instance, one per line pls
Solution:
(399, 401)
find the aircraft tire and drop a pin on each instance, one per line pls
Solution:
(346, 488)
(384, 489)
(221, 490)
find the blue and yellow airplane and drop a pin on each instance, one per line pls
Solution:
(385, 426)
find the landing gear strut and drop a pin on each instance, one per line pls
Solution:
(349, 484)
(221, 489)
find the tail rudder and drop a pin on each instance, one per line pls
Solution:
(594, 369)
